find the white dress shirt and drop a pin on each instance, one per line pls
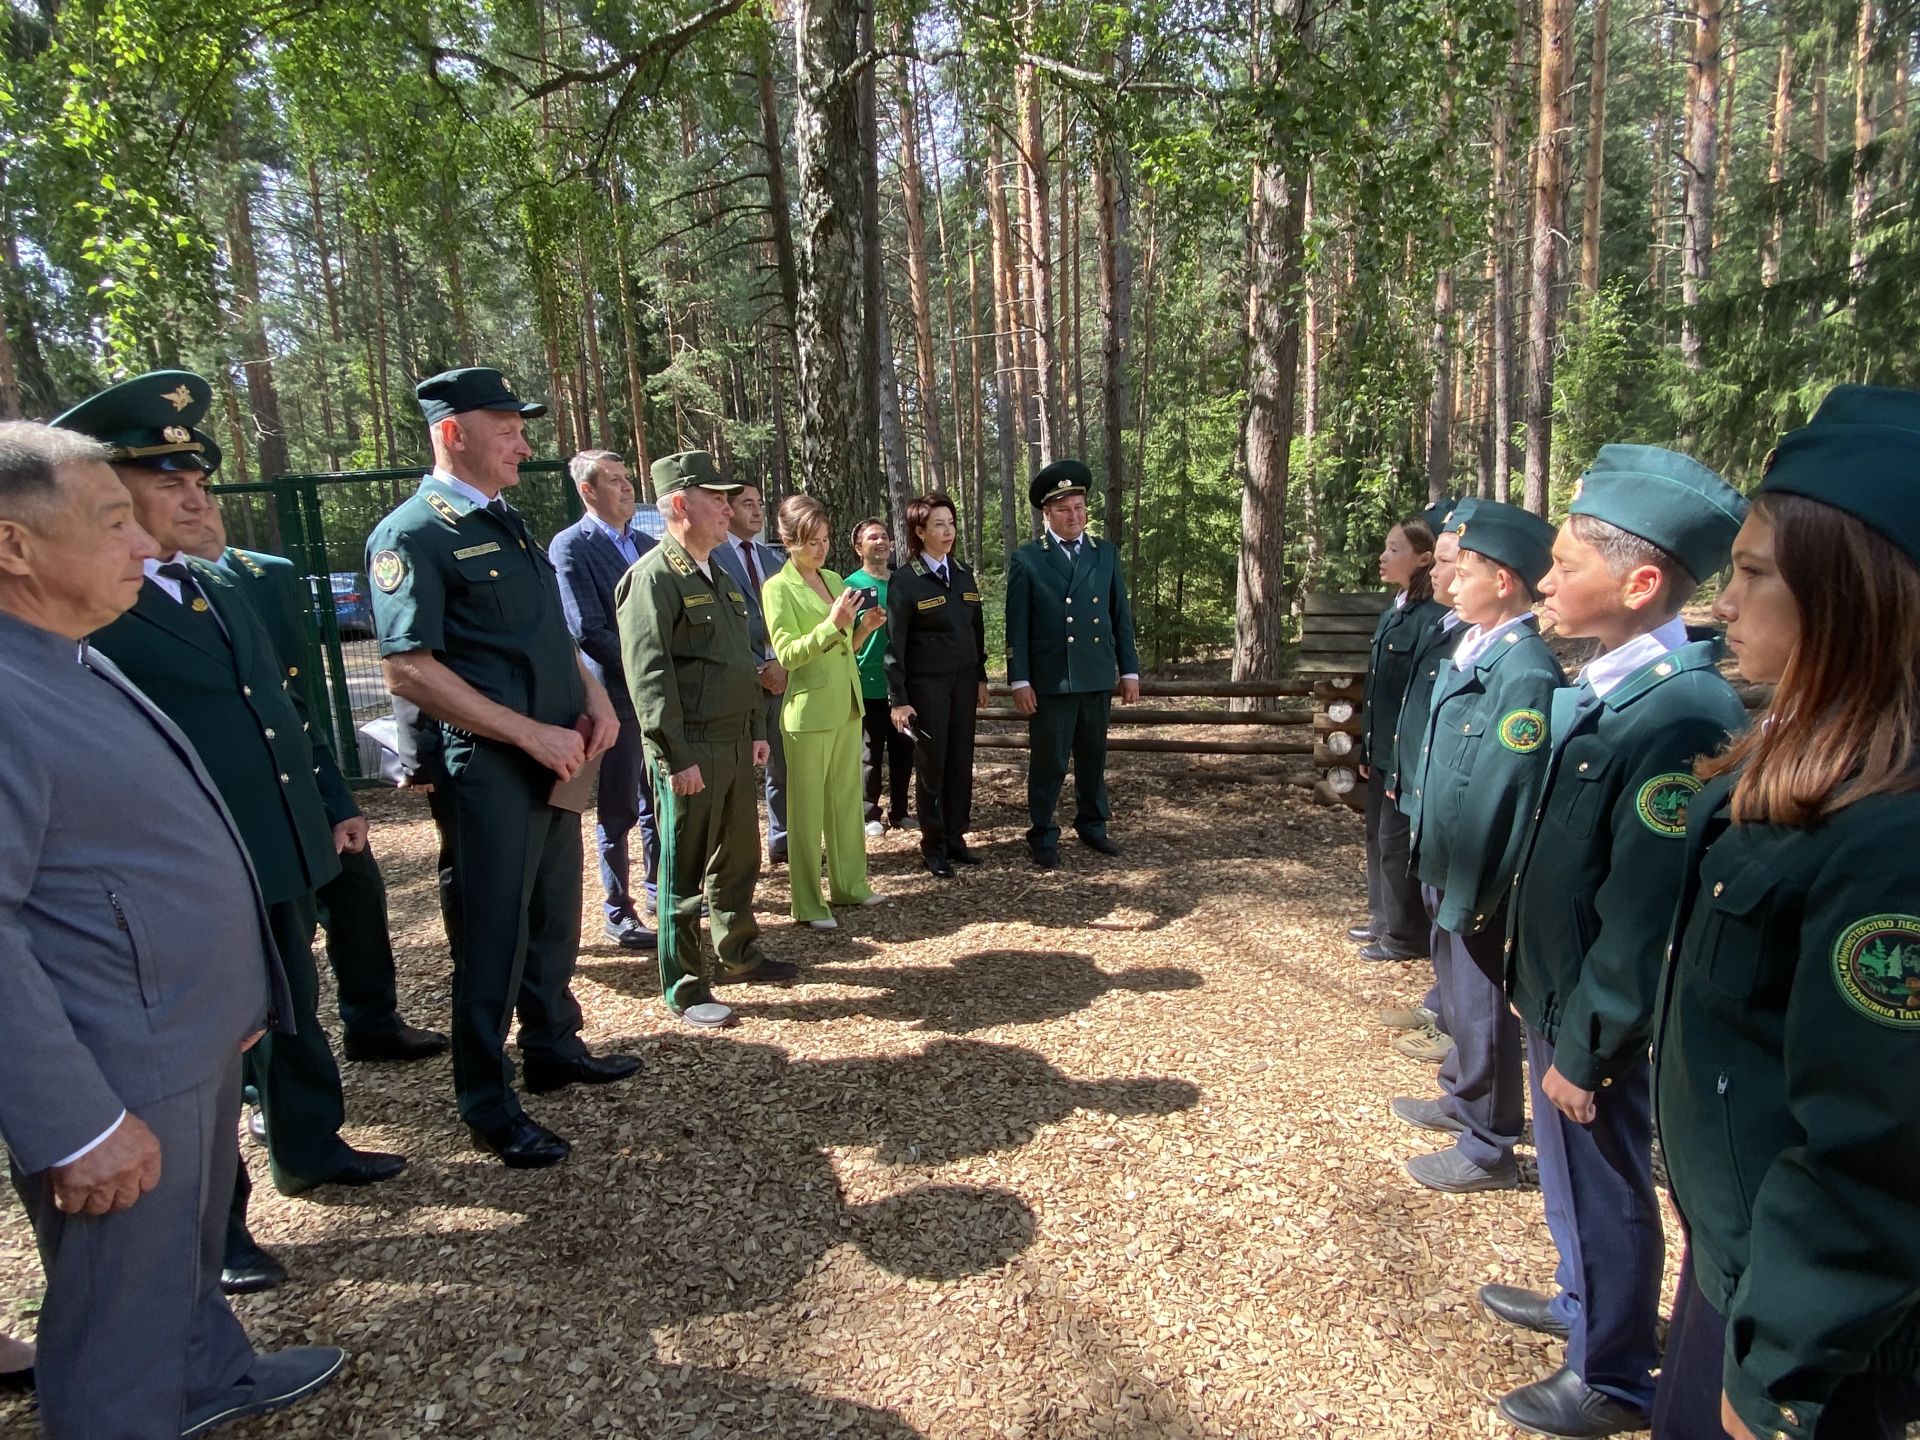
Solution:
(1605, 672)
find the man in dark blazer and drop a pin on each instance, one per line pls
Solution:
(750, 561)
(591, 556)
(136, 964)
(197, 647)
(1069, 643)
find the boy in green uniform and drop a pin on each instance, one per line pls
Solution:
(1600, 869)
(1481, 764)
(685, 646)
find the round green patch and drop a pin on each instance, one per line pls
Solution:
(388, 570)
(1523, 731)
(1876, 963)
(1663, 800)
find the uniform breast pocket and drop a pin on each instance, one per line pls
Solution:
(1581, 793)
(703, 628)
(1737, 916)
(1457, 745)
(491, 588)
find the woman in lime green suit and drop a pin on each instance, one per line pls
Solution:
(816, 625)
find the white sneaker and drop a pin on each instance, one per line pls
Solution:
(875, 829)
(876, 898)
(826, 923)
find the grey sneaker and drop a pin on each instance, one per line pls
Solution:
(1452, 1172)
(1431, 1049)
(278, 1379)
(1410, 1017)
(1426, 1115)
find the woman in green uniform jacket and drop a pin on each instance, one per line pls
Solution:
(1788, 1036)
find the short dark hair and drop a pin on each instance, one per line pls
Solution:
(920, 510)
(1622, 550)
(860, 525)
(31, 455)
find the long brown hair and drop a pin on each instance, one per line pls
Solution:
(920, 510)
(1420, 539)
(1844, 722)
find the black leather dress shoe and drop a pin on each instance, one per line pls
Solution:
(937, 865)
(544, 1075)
(523, 1143)
(1048, 859)
(1564, 1405)
(961, 855)
(1360, 934)
(360, 1167)
(16, 1382)
(1528, 1309)
(409, 1042)
(1377, 952)
(248, 1270)
(767, 972)
(629, 934)
(1100, 844)
(256, 1125)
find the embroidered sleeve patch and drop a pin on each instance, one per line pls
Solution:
(1663, 800)
(1523, 731)
(1876, 964)
(388, 570)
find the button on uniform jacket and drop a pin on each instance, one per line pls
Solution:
(823, 674)
(1785, 1053)
(1601, 867)
(1391, 660)
(934, 631)
(1069, 629)
(590, 566)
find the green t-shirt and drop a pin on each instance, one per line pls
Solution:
(873, 653)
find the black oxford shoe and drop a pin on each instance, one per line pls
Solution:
(248, 1270)
(545, 1075)
(1360, 934)
(1527, 1309)
(398, 1046)
(961, 855)
(629, 934)
(256, 1125)
(1378, 953)
(937, 865)
(523, 1143)
(1565, 1406)
(1100, 844)
(359, 1167)
(1046, 859)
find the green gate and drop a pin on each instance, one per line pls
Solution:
(320, 522)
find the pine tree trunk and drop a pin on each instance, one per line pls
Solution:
(1595, 177)
(263, 398)
(1500, 200)
(630, 350)
(1822, 132)
(919, 285)
(1703, 123)
(1549, 181)
(1730, 73)
(966, 459)
(1440, 409)
(1033, 168)
(1008, 340)
(1312, 541)
(1658, 161)
(779, 208)
(1114, 205)
(1144, 408)
(1863, 135)
(1777, 167)
(323, 255)
(590, 329)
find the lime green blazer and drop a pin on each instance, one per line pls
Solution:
(823, 676)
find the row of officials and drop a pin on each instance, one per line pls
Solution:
(159, 730)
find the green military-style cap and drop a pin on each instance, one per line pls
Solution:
(1455, 520)
(476, 387)
(1509, 536)
(1059, 480)
(690, 470)
(1666, 498)
(150, 421)
(1435, 514)
(1860, 454)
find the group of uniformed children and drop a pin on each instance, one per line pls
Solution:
(1690, 922)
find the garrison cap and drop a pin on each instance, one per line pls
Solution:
(150, 421)
(690, 470)
(1435, 514)
(1509, 536)
(1860, 454)
(1455, 520)
(477, 387)
(1667, 499)
(1059, 480)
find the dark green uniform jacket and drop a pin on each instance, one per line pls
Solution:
(455, 578)
(279, 594)
(1482, 764)
(933, 631)
(1069, 630)
(1390, 669)
(230, 695)
(1785, 1054)
(1600, 868)
(688, 654)
(1432, 652)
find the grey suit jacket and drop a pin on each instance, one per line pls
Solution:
(770, 559)
(134, 950)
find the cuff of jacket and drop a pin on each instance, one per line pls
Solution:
(1768, 1419)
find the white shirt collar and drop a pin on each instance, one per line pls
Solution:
(1400, 600)
(1476, 642)
(461, 487)
(166, 582)
(1064, 543)
(1605, 672)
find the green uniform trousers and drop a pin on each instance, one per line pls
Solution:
(823, 794)
(295, 1075)
(709, 847)
(353, 908)
(1068, 727)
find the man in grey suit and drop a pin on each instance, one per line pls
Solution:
(748, 560)
(136, 964)
(591, 555)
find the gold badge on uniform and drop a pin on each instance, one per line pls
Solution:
(199, 605)
(176, 435)
(179, 397)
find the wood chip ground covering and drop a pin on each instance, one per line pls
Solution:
(1102, 1152)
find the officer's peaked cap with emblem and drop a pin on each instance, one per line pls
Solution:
(1059, 480)
(1455, 520)
(690, 470)
(1435, 514)
(150, 421)
(1666, 498)
(1509, 536)
(477, 387)
(1861, 454)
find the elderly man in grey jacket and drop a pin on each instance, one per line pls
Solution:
(135, 966)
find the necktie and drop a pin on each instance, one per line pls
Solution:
(191, 598)
(940, 574)
(746, 559)
(499, 507)
(1073, 550)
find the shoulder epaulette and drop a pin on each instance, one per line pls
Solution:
(253, 566)
(680, 563)
(443, 507)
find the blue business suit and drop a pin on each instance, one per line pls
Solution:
(768, 562)
(590, 565)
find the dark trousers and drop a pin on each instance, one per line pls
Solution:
(776, 781)
(1481, 1074)
(945, 710)
(353, 910)
(295, 1075)
(1597, 1181)
(1393, 893)
(884, 747)
(135, 1332)
(1866, 1406)
(1068, 727)
(625, 800)
(511, 895)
